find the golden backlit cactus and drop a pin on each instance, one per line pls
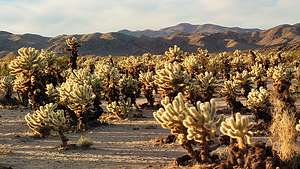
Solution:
(148, 86)
(201, 122)
(171, 117)
(28, 62)
(207, 82)
(192, 64)
(120, 109)
(174, 54)
(6, 86)
(72, 42)
(238, 128)
(202, 87)
(52, 92)
(171, 80)
(243, 80)
(130, 88)
(73, 46)
(258, 75)
(109, 76)
(237, 63)
(189, 124)
(280, 72)
(78, 97)
(258, 102)
(131, 65)
(257, 98)
(48, 118)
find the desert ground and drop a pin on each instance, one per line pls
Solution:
(123, 144)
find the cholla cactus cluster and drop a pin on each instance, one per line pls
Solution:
(238, 128)
(48, 118)
(109, 76)
(120, 109)
(6, 85)
(27, 68)
(193, 65)
(259, 102)
(171, 80)
(148, 86)
(243, 80)
(129, 88)
(77, 94)
(174, 54)
(189, 123)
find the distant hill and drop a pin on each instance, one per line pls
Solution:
(189, 37)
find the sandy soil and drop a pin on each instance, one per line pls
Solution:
(124, 144)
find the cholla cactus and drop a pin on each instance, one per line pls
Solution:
(219, 65)
(130, 88)
(6, 85)
(120, 109)
(282, 77)
(28, 62)
(230, 91)
(148, 86)
(174, 54)
(27, 68)
(280, 72)
(258, 102)
(258, 75)
(73, 45)
(257, 98)
(52, 92)
(237, 128)
(237, 62)
(192, 64)
(189, 123)
(131, 65)
(48, 118)
(172, 116)
(109, 76)
(201, 88)
(243, 80)
(77, 97)
(298, 126)
(171, 80)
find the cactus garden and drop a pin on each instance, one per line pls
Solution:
(177, 110)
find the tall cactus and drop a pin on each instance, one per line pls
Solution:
(27, 68)
(73, 46)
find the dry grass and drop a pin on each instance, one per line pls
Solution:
(284, 135)
(84, 141)
(5, 149)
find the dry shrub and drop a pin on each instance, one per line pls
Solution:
(84, 142)
(5, 149)
(284, 135)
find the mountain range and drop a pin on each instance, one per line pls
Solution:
(189, 37)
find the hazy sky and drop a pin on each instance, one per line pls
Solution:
(54, 17)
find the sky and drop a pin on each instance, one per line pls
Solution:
(55, 17)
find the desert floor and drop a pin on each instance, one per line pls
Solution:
(124, 144)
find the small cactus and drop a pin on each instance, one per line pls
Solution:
(48, 118)
(237, 128)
